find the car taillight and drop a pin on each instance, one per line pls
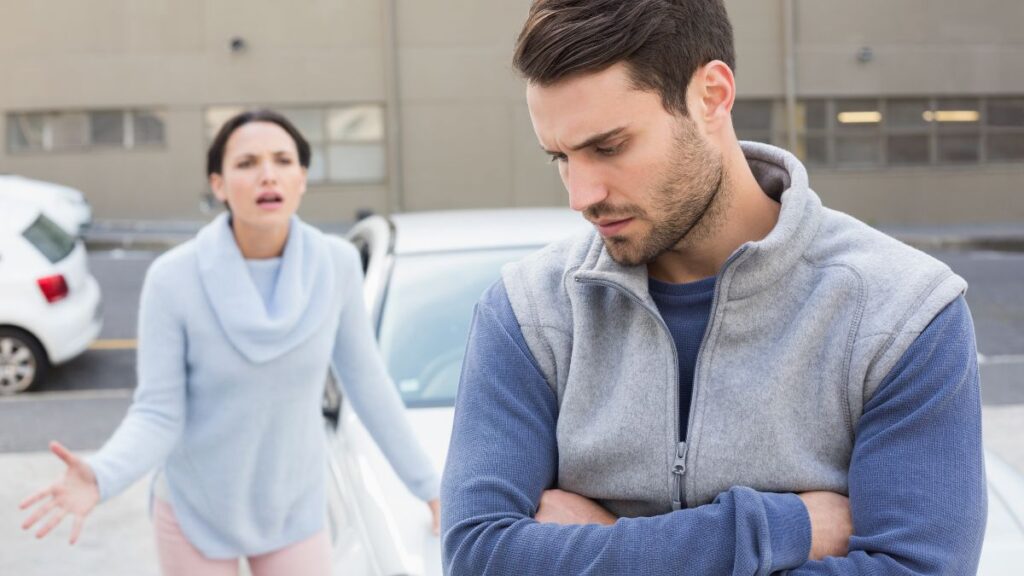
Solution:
(54, 287)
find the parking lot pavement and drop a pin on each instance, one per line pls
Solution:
(1003, 428)
(116, 540)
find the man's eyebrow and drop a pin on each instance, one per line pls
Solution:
(595, 139)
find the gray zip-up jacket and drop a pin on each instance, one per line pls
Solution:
(804, 326)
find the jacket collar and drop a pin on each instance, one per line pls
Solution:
(758, 265)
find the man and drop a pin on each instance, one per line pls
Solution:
(697, 386)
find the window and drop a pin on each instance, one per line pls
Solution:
(1004, 130)
(959, 134)
(752, 120)
(50, 239)
(84, 130)
(910, 131)
(347, 142)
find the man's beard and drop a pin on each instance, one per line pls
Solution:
(686, 207)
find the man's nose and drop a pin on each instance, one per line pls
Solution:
(586, 187)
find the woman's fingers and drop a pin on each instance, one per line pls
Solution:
(63, 453)
(36, 497)
(39, 513)
(76, 528)
(51, 524)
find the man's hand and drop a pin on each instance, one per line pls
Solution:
(831, 523)
(561, 507)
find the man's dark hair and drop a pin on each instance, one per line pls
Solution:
(663, 42)
(215, 155)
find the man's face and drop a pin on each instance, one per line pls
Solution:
(643, 176)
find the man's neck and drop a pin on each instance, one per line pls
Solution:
(743, 213)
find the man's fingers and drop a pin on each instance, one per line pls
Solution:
(53, 522)
(42, 511)
(76, 528)
(36, 497)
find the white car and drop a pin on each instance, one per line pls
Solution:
(424, 273)
(49, 302)
(64, 205)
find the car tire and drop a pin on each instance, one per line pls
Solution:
(23, 361)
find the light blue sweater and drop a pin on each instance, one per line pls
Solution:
(229, 391)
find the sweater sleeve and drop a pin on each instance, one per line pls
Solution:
(504, 454)
(156, 418)
(917, 481)
(360, 370)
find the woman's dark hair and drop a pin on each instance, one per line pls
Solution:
(215, 155)
(663, 42)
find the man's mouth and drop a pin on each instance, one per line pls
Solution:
(611, 226)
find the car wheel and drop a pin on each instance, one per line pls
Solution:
(22, 361)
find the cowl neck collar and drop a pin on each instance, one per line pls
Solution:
(262, 331)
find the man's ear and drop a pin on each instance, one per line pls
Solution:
(716, 93)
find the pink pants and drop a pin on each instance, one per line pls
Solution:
(178, 557)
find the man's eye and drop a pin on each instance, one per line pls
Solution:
(245, 163)
(606, 151)
(556, 157)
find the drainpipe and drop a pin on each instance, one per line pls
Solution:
(789, 35)
(392, 95)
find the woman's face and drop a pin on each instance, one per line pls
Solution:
(261, 180)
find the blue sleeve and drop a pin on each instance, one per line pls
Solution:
(917, 479)
(364, 378)
(503, 455)
(156, 418)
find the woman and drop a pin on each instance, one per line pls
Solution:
(236, 330)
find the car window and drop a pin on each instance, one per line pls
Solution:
(50, 239)
(426, 315)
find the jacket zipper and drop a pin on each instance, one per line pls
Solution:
(681, 448)
(696, 369)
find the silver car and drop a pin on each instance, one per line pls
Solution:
(424, 273)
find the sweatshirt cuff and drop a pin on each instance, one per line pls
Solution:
(98, 473)
(789, 528)
(427, 489)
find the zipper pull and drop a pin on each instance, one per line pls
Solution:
(679, 465)
(678, 469)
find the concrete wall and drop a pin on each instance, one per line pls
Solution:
(463, 133)
(174, 55)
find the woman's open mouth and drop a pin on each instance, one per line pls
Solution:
(270, 200)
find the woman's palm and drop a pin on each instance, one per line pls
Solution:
(76, 494)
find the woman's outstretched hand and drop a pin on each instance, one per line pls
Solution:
(76, 494)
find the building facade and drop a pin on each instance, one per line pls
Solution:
(906, 113)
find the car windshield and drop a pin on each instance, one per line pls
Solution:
(50, 239)
(426, 316)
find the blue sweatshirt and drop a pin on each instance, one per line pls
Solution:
(232, 362)
(916, 489)
(686, 309)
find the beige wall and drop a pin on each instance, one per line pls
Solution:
(174, 55)
(920, 47)
(465, 136)
(467, 139)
